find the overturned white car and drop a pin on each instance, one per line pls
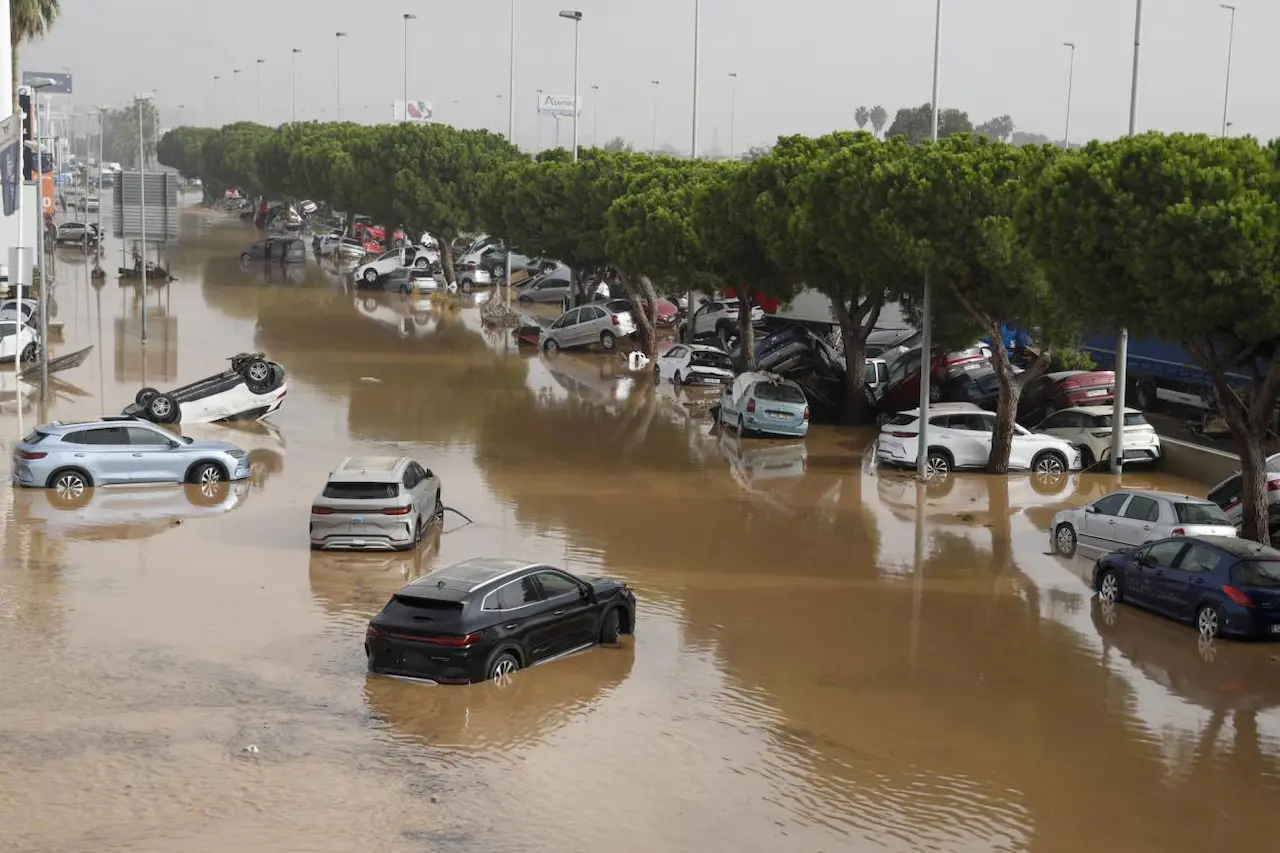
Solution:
(252, 389)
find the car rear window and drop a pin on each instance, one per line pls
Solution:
(1264, 573)
(438, 605)
(1200, 513)
(618, 306)
(779, 392)
(361, 491)
(1130, 419)
(902, 419)
(34, 437)
(711, 359)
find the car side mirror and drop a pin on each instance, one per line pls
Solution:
(1091, 510)
(587, 593)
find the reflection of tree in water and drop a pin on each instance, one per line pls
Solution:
(242, 294)
(31, 569)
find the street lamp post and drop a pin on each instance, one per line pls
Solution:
(216, 78)
(235, 92)
(296, 51)
(926, 314)
(733, 112)
(407, 18)
(142, 207)
(1226, 94)
(338, 37)
(653, 146)
(576, 17)
(45, 293)
(1071, 76)
(258, 86)
(693, 145)
(595, 117)
(102, 132)
(511, 119)
(537, 120)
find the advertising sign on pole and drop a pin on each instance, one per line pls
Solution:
(419, 112)
(558, 105)
(61, 81)
(10, 162)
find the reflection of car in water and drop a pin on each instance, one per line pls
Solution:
(124, 513)
(347, 582)
(252, 389)
(486, 715)
(485, 619)
(407, 315)
(261, 439)
(271, 273)
(593, 379)
(759, 465)
(1217, 676)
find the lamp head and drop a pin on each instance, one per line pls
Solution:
(571, 14)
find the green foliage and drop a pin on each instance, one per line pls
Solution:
(28, 20)
(999, 128)
(916, 123)
(879, 117)
(120, 134)
(230, 156)
(861, 116)
(183, 149)
(649, 228)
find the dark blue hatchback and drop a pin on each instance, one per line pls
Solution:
(1220, 584)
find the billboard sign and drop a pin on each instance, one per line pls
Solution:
(61, 81)
(419, 112)
(558, 105)
(10, 162)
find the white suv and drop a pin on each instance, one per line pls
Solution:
(1090, 427)
(960, 436)
(720, 317)
(418, 257)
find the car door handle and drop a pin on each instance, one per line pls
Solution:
(78, 455)
(557, 613)
(138, 455)
(1199, 581)
(510, 627)
(1159, 573)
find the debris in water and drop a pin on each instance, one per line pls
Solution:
(371, 379)
(252, 749)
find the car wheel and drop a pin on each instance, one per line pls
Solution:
(421, 263)
(550, 346)
(246, 258)
(1087, 459)
(524, 299)
(370, 276)
(144, 396)
(206, 475)
(438, 512)
(677, 379)
(502, 667)
(466, 286)
(1064, 540)
(608, 340)
(1049, 464)
(1109, 588)
(1208, 621)
(610, 627)
(937, 464)
(162, 409)
(257, 373)
(743, 432)
(69, 488)
(29, 352)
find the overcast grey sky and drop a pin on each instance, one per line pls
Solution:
(803, 65)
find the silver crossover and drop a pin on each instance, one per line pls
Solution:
(600, 323)
(375, 503)
(72, 458)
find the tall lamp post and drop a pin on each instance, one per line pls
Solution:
(511, 118)
(926, 314)
(575, 16)
(733, 112)
(258, 85)
(537, 120)
(1226, 94)
(595, 118)
(235, 95)
(653, 145)
(216, 78)
(1122, 337)
(1071, 77)
(407, 18)
(102, 132)
(693, 145)
(296, 51)
(338, 37)
(45, 293)
(142, 207)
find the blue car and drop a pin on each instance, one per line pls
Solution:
(761, 403)
(1221, 585)
(72, 458)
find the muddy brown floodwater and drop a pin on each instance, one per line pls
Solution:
(816, 666)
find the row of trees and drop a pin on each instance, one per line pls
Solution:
(1172, 235)
(916, 124)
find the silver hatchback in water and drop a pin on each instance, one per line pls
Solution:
(600, 323)
(375, 503)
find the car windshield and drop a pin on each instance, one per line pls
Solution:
(711, 359)
(361, 491)
(1200, 513)
(1130, 419)
(779, 391)
(1263, 573)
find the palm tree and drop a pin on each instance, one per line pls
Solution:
(28, 19)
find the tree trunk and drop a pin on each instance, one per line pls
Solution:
(855, 407)
(446, 258)
(1011, 385)
(746, 332)
(642, 293)
(1254, 518)
(691, 331)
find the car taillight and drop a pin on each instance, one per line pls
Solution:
(371, 632)
(1101, 433)
(31, 454)
(396, 510)
(1178, 531)
(452, 642)
(1236, 596)
(614, 318)
(806, 413)
(1273, 485)
(321, 510)
(904, 434)
(751, 404)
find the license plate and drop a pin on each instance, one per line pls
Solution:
(357, 519)
(1097, 392)
(780, 415)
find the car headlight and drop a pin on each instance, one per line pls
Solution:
(236, 454)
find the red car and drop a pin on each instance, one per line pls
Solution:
(901, 391)
(1056, 391)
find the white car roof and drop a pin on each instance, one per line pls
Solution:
(943, 408)
(746, 380)
(705, 348)
(1098, 410)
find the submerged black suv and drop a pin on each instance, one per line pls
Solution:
(486, 618)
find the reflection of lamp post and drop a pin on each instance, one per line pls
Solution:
(142, 201)
(35, 86)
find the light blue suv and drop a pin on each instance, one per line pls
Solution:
(72, 458)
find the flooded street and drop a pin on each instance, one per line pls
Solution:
(816, 667)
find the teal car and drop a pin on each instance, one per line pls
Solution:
(765, 404)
